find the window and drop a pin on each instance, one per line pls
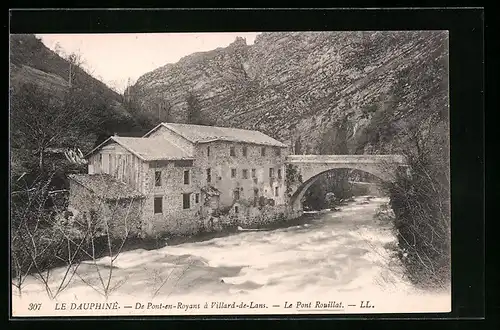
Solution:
(157, 178)
(253, 173)
(186, 177)
(209, 175)
(255, 196)
(123, 167)
(279, 173)
(232, 152)
(208, 151)
(100, 158)
(263, 151)
(245, 174)
(233, 173)
(183, 163)
(277, 151)
(197, 198)
(236, 210)
(186, 201)
(158, 205)
(271, 172)
(276, 191)
(244, 150)
(236, 194)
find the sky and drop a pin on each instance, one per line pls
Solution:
(114, 58)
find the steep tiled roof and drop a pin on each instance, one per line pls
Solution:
(149, 148)
(152, 148)
(105, 186)
(201, 134)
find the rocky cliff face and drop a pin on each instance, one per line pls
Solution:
(319, 92)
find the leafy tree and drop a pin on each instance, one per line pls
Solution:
(193, 110)
(164, 110)
(297, 148)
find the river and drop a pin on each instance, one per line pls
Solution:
(342, 255)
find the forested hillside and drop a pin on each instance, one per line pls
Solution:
(56, 104)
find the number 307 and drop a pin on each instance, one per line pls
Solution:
(34, 307)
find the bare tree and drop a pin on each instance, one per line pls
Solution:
(44, 238)
(41, 120)
(37, 244)
(421, 203)
(75, 60)
(109, 225)
(27, 217)
(59, 50)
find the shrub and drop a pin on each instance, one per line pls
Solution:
(421, 207)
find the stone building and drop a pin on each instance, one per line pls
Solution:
(100, 198)
(192, 175)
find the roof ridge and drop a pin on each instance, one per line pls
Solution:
(213, 126)
(127, 147)
(220, 133)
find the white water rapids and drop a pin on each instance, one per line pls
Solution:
(336, 256)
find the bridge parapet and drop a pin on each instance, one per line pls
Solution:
(367, 159)
(310, 168)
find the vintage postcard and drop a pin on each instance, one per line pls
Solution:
(229, 173)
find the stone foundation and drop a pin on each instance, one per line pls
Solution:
(247, 217)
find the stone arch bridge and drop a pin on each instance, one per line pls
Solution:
(310, 168)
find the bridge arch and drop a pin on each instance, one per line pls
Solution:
(311, 167)
(296, 198)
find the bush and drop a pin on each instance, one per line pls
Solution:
(421, 207)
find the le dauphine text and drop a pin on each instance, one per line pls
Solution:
(152, 306)
(184, 306)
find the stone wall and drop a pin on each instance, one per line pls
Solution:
(174, 218)
(220, 162)
(250, 217)
(120, 215)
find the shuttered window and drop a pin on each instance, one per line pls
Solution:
(158, 178)
(158, 205)
(186, 201)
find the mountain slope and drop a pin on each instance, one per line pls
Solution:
(320, 90)
(47, 113)
(31, 62)
(28, 51)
